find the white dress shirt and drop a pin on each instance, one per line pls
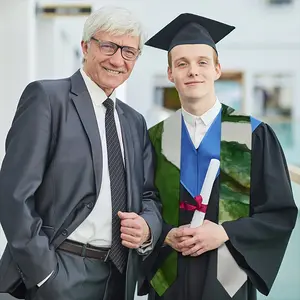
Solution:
(198, 125)
(96, 228)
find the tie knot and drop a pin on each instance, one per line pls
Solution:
(109, 104)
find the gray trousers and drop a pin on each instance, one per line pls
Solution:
(81, 278)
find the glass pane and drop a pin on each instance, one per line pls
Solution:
(287, 134)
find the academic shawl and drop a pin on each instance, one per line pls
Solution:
(229, 140)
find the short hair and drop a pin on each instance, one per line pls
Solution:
(114, 20)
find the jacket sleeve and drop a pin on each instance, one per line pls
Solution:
(151, 205)
(23, 167)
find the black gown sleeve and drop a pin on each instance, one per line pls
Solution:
(151, 264)
(258, 243)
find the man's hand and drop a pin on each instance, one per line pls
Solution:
(134, 230)
(206, 237)
(174, 238)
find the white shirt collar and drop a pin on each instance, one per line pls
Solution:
(207, 118)
(98, 96)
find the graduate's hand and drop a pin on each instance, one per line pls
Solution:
(206, 237)
(174, 238)
(134, 230)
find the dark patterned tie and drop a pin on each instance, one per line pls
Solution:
(118, 253)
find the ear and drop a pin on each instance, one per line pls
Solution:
(84, 48)
(170, 76)
(218, 72)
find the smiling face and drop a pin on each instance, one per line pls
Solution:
(108, 72)
(194, 69)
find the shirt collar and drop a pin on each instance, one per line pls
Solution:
(98, 96)
(207, 118)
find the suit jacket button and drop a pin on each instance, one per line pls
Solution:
(64, 232)
(90, 205)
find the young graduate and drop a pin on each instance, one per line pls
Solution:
(251, 211)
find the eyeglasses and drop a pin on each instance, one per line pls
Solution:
(110, 48)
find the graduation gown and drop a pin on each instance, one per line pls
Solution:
(257, 243)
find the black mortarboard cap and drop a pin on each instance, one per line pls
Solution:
(190, 29)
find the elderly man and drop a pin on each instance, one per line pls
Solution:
(77, 201)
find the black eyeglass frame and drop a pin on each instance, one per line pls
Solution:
(135, 51)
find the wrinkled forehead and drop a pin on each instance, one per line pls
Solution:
(122, 40)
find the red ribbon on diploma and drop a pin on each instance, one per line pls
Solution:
(199, 206)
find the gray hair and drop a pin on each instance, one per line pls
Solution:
(113, 20)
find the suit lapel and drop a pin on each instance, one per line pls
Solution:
(129, 155)
(84, 106)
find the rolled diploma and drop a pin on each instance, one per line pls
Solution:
(209, 180)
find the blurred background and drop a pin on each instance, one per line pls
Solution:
(260, 62)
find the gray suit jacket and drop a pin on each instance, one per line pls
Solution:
(51, 176)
